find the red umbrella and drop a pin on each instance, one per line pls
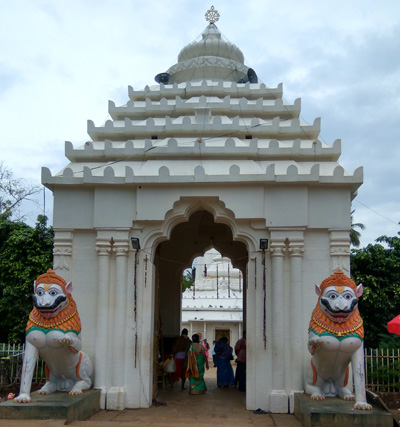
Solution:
(394, 326)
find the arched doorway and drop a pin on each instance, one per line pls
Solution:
(188, 240)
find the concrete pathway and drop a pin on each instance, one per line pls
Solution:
(218, 407)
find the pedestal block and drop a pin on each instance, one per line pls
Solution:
(57, 405)
(335, 412)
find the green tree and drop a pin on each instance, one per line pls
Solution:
(377, 267)
(25, 253)
(187, 279)
(13, 191)
(354, 234)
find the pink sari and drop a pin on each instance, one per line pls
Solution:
(206, 349)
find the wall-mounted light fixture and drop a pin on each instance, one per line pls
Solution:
(135, 243)
(263, 244)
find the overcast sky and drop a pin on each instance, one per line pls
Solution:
(61, 61)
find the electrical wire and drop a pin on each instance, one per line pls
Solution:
(377, 213)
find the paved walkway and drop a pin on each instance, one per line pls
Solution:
(218, 407)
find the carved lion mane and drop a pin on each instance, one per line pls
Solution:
(67, 320)
(321, 323)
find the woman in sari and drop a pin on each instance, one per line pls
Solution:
(224, 353)
(197, 362)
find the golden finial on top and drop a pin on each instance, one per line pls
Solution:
(212, 15)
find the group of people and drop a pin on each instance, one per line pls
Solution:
(191, 362)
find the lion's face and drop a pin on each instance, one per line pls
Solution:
(50, 299)
(338, 303)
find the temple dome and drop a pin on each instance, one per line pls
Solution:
(211, 45)
(210, 58)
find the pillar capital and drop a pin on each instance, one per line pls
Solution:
(278, 249)
(121, 248)
(103, 250)
(296, 251)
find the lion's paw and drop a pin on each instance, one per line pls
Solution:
(75, 392)
(42, 392)
(23, 398)
(315, 340)
(65, 340)
(317, 396)
(349, 397)
(363, 406)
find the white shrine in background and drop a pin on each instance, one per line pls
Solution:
(213, 306)
(209, 157)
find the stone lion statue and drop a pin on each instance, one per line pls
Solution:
(335, 338)
(53, 333)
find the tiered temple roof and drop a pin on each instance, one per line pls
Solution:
(208, 120)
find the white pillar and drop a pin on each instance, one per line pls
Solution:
(139, 347)
(145, 329)
(132, 374)
(278, 396)
(103, 249)
(296, 325)
(116, 394)
(253, 343)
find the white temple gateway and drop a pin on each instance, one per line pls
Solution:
(213, 306)
(207, 158)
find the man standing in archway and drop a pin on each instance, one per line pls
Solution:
(179, 352)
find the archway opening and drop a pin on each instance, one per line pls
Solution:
(188, 240)
(212, 299)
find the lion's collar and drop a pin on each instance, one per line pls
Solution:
(67, 319)
(321, 323)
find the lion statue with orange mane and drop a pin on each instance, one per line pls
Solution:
(53, 333)
(335, 338)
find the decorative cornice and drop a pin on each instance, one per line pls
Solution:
(169, 127)
(107, 175)
(254, 149)
(261, 107)
(205, 87)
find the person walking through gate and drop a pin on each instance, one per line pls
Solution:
(206, 346)
(197, 363)
(179, 352)
(225, 376)
(240, 351)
